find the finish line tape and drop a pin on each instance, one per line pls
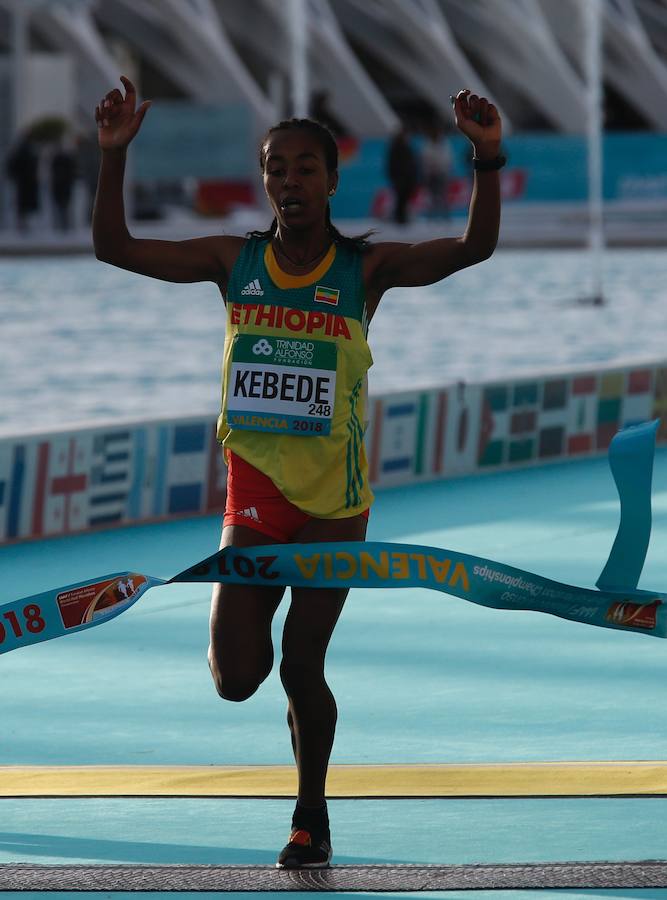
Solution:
(617, 604)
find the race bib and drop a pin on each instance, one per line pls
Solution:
(282, 385)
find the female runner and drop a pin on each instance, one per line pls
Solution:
(298, 298)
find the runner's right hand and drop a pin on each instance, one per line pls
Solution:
(116, 117)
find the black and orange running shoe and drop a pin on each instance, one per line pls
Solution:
(305, 851)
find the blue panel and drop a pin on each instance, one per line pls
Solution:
(138, 472)
(185, 498)
(189, 438)
(18, 474)
(395, 465)
(160, 471)
(101, 499)
(117, 457)
(115, 436)
(183, 139)
(402, 409)
(106, 519)
(101, 478)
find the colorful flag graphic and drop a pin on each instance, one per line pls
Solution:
(326, 295)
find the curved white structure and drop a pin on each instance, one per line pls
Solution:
(370, 56)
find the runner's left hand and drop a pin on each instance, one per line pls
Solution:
(480, 122)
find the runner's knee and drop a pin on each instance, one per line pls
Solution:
(232, 685)
(235, 691)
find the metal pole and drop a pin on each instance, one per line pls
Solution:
(19, 70)
(18, 75)
(298, 37)
(594, 75)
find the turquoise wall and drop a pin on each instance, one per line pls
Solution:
(180, 140)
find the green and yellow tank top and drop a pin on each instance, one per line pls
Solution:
(294, 375)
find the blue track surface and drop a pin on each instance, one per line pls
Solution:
(419, 677)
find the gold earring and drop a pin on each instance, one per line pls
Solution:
(332, 192)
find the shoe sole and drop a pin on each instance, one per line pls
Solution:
(316, 865)
(326, 865)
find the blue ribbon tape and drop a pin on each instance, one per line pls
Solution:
(618, 604)
(631, 461)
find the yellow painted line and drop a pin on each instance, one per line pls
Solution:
(549, 779)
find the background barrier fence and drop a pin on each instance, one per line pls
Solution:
(106, 475)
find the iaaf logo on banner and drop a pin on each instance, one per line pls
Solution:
(82, 605)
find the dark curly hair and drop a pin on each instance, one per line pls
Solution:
(330, 149)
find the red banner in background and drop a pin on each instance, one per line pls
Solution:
(219, 197)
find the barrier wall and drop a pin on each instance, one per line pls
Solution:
(110, 475)
(184, 140)
(541, 168)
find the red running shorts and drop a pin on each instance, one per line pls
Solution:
(254, 501)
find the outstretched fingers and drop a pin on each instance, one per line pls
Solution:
(130, 90)
(131, 101)
(118, 113)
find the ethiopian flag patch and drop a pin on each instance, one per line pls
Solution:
(326, 295)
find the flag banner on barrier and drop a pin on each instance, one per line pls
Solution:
(372, 564)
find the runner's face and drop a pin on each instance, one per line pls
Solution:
(296, 180)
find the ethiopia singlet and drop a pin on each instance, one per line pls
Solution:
(294, 374)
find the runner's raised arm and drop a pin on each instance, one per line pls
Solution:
(201, 259)
(396, 264)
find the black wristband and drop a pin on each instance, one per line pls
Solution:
(488, 165)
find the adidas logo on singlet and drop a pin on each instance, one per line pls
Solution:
(254, 289)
